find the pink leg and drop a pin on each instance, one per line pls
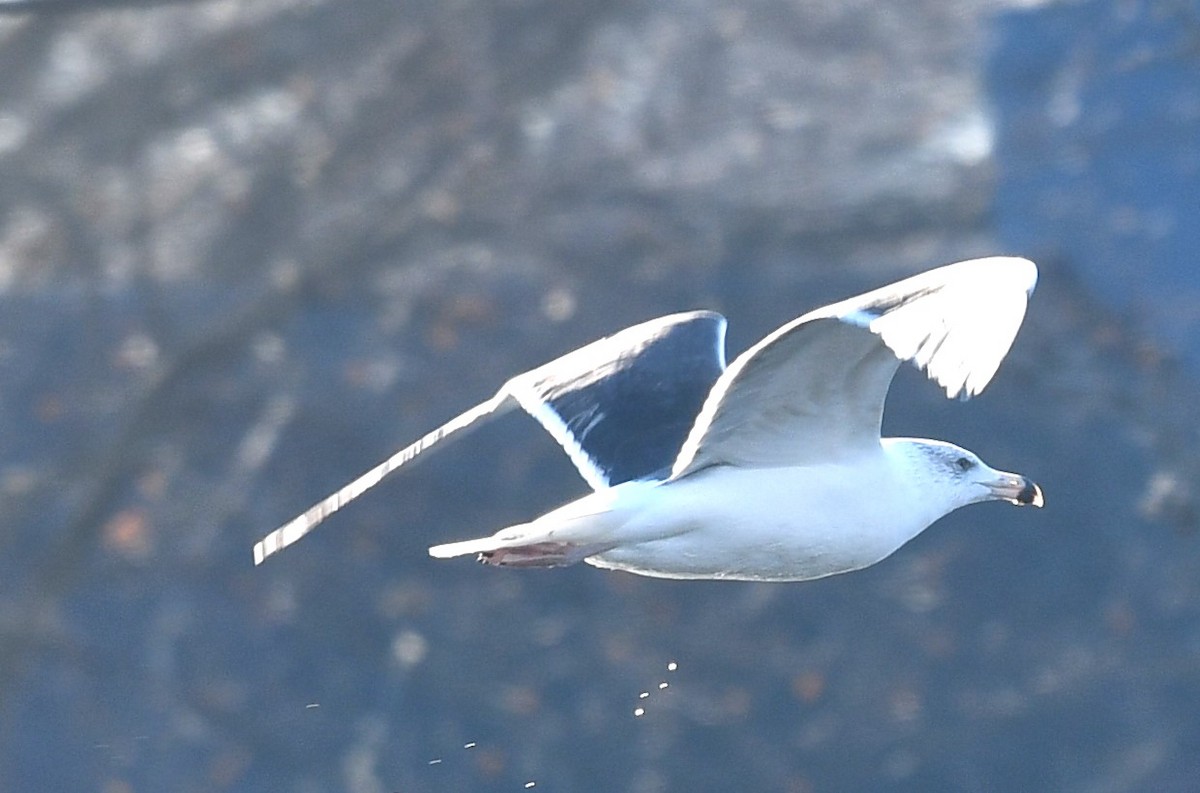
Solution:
(539, 554)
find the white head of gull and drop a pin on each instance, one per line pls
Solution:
(772, 469)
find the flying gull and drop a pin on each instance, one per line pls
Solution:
(772, 469)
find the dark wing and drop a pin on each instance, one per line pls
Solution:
(813, 390)
(620, 407)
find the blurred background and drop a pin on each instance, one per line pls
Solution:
(247, 250)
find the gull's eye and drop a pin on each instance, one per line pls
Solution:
(964, 464)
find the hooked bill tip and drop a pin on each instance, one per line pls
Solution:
(1030, 495)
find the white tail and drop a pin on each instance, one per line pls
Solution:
(464, 548)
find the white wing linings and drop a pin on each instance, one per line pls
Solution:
(955, 323)
(810, 390)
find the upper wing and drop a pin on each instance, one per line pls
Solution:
(813, 390)
(620, 407)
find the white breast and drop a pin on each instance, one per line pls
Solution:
(771, 524)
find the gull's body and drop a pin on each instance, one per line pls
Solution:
(772, 469)
(739, 523)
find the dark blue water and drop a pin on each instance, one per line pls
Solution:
(441, 183)
(1098, 153)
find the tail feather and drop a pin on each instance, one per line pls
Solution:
(565, 536)
(508, 549)
(464, 548)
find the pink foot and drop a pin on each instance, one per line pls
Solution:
(539, 554)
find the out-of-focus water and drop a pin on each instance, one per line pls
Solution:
(248, 251)
(1098, 161)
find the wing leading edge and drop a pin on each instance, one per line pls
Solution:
(620, 407)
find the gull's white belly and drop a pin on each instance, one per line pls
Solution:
(768, 524)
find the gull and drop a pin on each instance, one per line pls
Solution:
(770, 469)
